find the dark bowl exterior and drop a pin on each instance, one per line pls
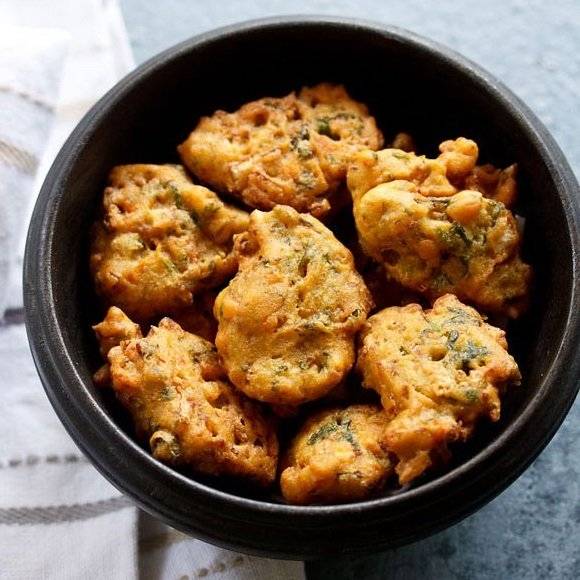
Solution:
(409, 83)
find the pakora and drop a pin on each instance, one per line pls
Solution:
(175, 388)
(292, 151)
(434, 239)
(115, 327)
(437, 372)
(287, 321)
(161, 239)
(338, 456)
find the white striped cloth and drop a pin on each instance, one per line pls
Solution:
(59, 519)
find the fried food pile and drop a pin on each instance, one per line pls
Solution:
(247, 342)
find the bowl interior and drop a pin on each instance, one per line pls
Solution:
(406, 86)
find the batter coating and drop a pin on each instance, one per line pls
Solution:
(173, 385)
(338, 456)
(437, 372)
(115, 328)
(286, 322)
(454, 170)
(434, 239)
(161, 239)
(292, 150)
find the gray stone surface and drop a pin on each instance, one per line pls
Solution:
(533, 529)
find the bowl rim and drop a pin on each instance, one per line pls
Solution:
(81, 411)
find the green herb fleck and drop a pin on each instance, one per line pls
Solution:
(167, 394)
(345, 115)
(473, 351)
(454, 238)
(306, 179)
(304, 150)
(452, 337)
(349, 435)
(460, 316)
(472, 395)
(342, 428)
(322, 432)
(171, 267)
(323, 126)
(175, 193)
(326, 257)
(300, 143)
(495, 209)
(280, 368)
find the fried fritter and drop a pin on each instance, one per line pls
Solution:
(454, 170)
(434, 239)
(115, 327)
(286, 322)
(459, 157)
(338, 456)
(292, 150)
(161, 239)
(437, 372)
(173, 385)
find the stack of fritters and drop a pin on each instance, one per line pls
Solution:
(262, 313)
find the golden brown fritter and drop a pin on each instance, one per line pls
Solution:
(459, 157)
(115, 327)
(437, 372)
(338, 456)
(462, 243)
(292, 150)
(452, 171)
(286, 322)
(161, 239)
(173, 385)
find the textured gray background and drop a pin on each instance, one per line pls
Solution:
(533, 529)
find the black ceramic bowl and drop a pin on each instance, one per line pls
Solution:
(409, 83)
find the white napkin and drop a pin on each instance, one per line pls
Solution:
(30, 72)
(99, 55)
(58, 517)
